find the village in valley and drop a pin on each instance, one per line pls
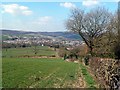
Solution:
(42, 40)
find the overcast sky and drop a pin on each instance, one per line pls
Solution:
(44, 16)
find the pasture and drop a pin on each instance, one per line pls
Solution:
(28, 72)
(28, 51)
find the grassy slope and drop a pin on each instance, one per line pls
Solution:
(29, 72)
(23, 72)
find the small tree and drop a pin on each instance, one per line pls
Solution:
(35, 49)
(34, 44)
(62, 52)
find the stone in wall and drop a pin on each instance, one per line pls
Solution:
(106, 71)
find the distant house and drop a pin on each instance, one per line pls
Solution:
(42, 45)
(69, 49)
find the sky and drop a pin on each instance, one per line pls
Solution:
(44, 16)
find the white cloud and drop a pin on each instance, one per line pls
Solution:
(43, 20)
(89, 2)
(27, 12)
(15, 9)
(46, 23)
(68, 5)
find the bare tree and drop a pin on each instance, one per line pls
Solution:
(119, 21)
(89, 25)
(34, 45)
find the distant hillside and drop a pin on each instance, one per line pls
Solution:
(13, 32)
(67, 35)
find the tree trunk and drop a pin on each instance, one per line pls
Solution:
(91, 50)
(91, 47)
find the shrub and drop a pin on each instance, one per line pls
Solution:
(62, 52)
(117, 51)
(86, 59)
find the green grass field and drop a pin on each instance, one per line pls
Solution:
(29, 51)
(27, 72)
(23, 72)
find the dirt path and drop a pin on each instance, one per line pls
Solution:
(80, 83)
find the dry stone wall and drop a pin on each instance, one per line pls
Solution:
(106, 71)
